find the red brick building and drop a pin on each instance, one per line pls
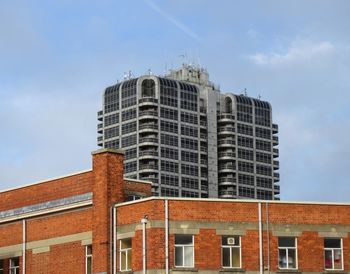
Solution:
(84, 223)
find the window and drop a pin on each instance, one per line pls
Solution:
(14, 266)
(125, 255)
(231, 252)
(1, 266)
(333, 254)
(88, 259)
(287, 253)
(184, 251)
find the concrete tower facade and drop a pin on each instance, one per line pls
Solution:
(181, 133)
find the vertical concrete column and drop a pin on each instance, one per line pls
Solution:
(107, 189)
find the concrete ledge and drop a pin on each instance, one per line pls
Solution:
(184, 231)
(286, 233)
(230, 232)
(121, 236)
(41, 250)
(332, 234)
(108, 150)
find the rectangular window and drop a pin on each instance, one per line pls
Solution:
(333, 254)
(125, 255)
(184, 251)
(14, 266)
(231, 252)
(88, 259)
(1, 267)
(287, 253)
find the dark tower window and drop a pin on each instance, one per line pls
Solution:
(148, 88)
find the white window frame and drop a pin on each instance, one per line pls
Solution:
(88, 257)
(333, 249)
(287, 248)
(126, 251)
(183, 252)
(13, 269)
(232, 247)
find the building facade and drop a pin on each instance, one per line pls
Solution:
(190, 140)
(94, 222)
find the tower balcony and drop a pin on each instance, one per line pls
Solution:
(227, 168)
(226, 143)
(276, 189)
(151, 127)
(148, 168)
(276, 177)
(148, 154)
(275, 152)
(274, 128)
(226, 155)
(229, 130)
(148, 101)
(100, 115)
(148, 141)
(100, 128)
(227, 194)
(226, 118)
(225, 181)
(148, 114)
(275, 140)
(276, 165)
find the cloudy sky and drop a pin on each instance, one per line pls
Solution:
(56, 58)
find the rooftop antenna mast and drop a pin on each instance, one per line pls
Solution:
(245, 92)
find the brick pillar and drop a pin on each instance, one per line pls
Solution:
(107, 189)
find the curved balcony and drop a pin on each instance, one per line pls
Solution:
(148, 168)
(227, 194)
(226, 130)
(275, 152)
(276, 177)
(227, 181)
(226, 118)
(148, 154)
(224, 156)
(276, 165)
(148, 101)
(226, 143)
(274, 128)
(148, 141)
(148, 128)
(276, 189)
(148, 114)
(228, 168)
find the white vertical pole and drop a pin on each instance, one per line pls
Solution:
(24, 246)
(260, 240)
(144, 222)
(166, 237)
(114, 240)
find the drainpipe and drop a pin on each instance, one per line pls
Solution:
(166, 237)
(260, 241)
(268, 236)
(114, 251)
(24, 246)
(144, 222)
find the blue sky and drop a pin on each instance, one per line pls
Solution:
(56, 57)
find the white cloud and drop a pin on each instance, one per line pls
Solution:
(299, 51)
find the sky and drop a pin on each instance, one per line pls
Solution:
(56, 58)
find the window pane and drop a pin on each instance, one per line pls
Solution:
(226, 257)
(125, 243)
(129, 259)
(188, 256)
(88, 266)
(183, 239)
(88, 250)
(332, 243)
(328, 259)
(337, 259)
(123, 261)
(286, 242)
(235, 258)
(178, 256)
(282, 258)
(292, 258)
